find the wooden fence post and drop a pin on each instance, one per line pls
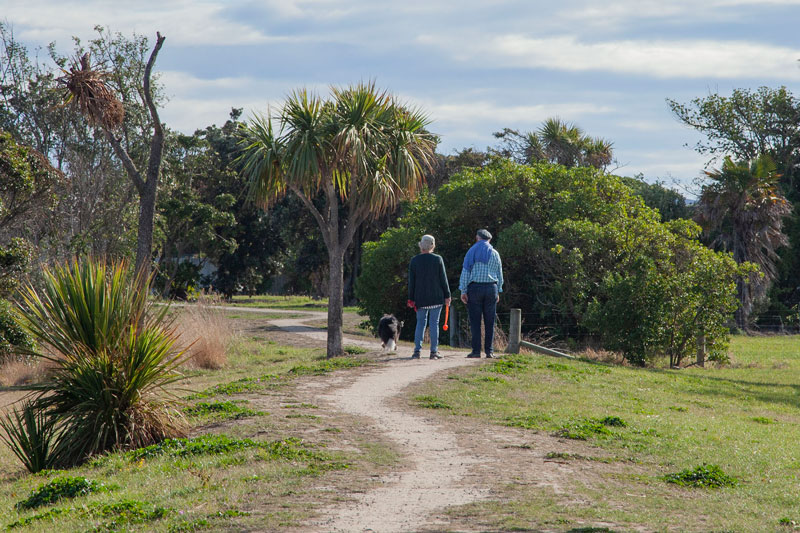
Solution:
(514, 331)
(453, 327)
(701, 350)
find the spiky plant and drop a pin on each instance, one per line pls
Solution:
(31, 435)
(113, 355)
(90, 91)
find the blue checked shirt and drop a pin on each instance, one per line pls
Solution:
(491, 272)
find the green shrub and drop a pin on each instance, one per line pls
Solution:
(12, 336)
(111, 355)
(58, 489)
(613, 421)
(581, 253)
(706, 476)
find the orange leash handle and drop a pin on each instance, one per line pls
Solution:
(446, 318)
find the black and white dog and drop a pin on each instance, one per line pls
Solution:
(389, 332)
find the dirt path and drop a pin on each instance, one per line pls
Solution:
(439, 468)
(437, 478)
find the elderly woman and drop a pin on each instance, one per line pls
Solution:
(428, 290)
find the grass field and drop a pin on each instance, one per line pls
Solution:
(745, 418)
(255, 456)
(265, 457)
(299, 303)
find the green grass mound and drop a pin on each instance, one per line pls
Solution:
(586, 428)
(290, 449)
(326, 365)
(431, 402)
(509, 364)
(528, 421)
(352, 349)
(58, 489)
(240, 386)
(115, 515)
(202, 445)
(226, 410)
(705, 476)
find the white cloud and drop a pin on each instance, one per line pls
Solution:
(196, 102)
(680, 166)
(185, 22)
(657, 58)
(616, 13)
(460, 113)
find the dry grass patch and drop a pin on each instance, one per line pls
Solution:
(15, 372)
(205, 334)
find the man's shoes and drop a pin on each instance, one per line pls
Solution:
(415, 355)
(489, 355)
(436, 355)
(473, 355)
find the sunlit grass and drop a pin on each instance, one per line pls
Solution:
(744, 417)
(300, 303)
(266, 486)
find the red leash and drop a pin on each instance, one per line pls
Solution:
(410, 303)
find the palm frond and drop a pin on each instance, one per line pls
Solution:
(261, 160)
(88, 89)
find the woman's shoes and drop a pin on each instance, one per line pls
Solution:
(436, 355)
(415, 355)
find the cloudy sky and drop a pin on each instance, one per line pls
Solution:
(476, 66)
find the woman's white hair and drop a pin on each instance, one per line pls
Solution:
(426, 243)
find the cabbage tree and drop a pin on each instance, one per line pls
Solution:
(348, 158)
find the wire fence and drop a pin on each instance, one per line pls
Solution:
(776, 324)
(570, 336)
(535, 330)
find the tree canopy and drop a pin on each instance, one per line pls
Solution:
(582, 255)
(360, 150)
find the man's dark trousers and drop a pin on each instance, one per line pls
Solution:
(482, 302)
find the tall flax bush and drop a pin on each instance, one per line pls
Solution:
(111, 353)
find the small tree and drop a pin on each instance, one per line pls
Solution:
(88, 89)
(348, 158)
(28, 187)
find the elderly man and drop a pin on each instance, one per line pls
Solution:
(480, 284)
